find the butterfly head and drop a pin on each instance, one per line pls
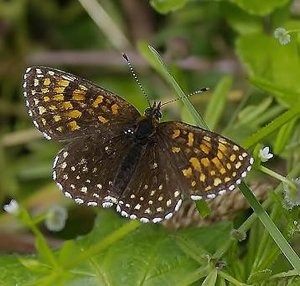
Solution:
(154, 112)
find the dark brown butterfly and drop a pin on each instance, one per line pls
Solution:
(117, 157)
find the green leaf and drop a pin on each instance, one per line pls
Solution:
(271, 127)
(283, 137)
(258, 7)
(166, 6)
(260, 276)
(203, 208)
(241, 21)
(273, 69)
(13, 272)
(251, 112)
(211, 278)
(217, 102)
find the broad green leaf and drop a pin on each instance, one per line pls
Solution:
(275, 64)
(13, 272)
(258, 7)
(165, 6)
(241, 21)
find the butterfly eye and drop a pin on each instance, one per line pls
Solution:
(157, 114)
(148, 111)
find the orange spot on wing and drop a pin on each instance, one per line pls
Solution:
(74, 113)
(114, 108)
(187, 172)
(47, 81)
(190, 139)
(195, 164)
(205, 162)
(176, 149)
(78, 94)
(58, 97)
(67, 105)
(97, 101)
(63, 82)
(73, 125)
(59, 89)
(102, 119)
(176, 133)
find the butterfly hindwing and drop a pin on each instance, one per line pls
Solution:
(206, 163)
(85, 169)
(64, 106)
(153, 193)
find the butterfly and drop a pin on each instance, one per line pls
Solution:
(116, 157)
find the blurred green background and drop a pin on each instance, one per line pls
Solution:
(227, 46)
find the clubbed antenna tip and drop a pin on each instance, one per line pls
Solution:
(125, 57)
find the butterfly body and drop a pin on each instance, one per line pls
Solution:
(118, 157)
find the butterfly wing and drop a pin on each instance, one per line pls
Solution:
(64, 106)
(206, 164)
(153, 193)
(85, 169)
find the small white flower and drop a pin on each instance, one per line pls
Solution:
(265, 154)
(292, 195)
(12, 207)
(282, 35)
(56, 218)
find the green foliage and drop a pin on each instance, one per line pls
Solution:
(118, 251)
(253, 99)
(165, 6)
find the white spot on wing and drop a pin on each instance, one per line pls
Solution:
(178, 205)
(231, 188)
(92, 204)
(222, 192)
(68, 195)
(125, 214)
(107, 204)
(79, 201)
(59, 186)
(211, 196)
(196, 198)
(169, 215)
(35, 124)
(144, 220)
(46, 136)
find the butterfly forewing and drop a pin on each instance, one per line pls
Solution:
(206, 163)
(85, 169)
(63, 106)
(153, 193)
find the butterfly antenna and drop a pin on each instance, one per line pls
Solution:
(136, 78)
(201, 90)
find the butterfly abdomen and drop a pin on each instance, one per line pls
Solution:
(128, 167)
(140, 137)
